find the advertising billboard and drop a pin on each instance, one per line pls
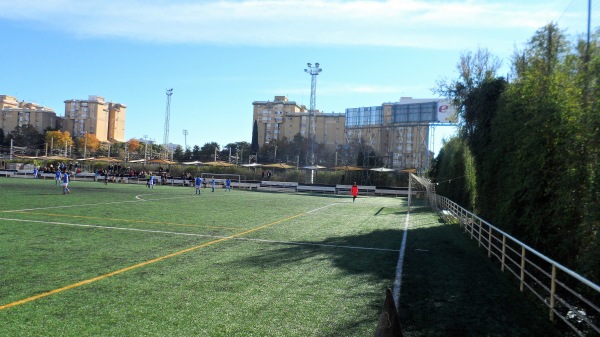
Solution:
(423, 110)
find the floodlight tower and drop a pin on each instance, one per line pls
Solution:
(167, 118)
(185, 133)
(313, 72)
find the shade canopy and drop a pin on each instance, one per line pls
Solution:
(382, 169)
(314, 167)
(280, 165)
(55, 158)
(348, 168)
(162, 161)
(218, 163)
(252, 165)
(195, 162)
(104, 159)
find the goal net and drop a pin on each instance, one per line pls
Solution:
(421, 188)
(221, 177)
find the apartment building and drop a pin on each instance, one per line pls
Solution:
(398, 132)
(284, 118)
(17, 114)
(104, 119)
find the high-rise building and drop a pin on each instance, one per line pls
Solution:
(283, 118)
(104, 119)
(18, 114)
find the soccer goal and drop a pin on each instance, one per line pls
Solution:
(221, 177)
(421, 188)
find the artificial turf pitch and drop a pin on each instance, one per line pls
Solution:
(126, 260)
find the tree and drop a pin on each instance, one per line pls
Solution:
(58, 139)
(534, 144)
(88, 144)
(254, 147)
(196, 153)
(133, 145)
(178, 153)
(300, 145)
(207, 151)
(473, 69)
(27, 136)
(241, 149)
(187, 155)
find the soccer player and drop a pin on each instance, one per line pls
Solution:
(354, 191)
(228, 185)
(57, 176)
(213, 184)
(65, 183)
(151, 181)
(35, 173)
(198, 185)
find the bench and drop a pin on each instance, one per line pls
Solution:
(278, 184)
(7, 173)
(249, 186)
(315, 188)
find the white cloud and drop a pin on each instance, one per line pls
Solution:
(433, 24)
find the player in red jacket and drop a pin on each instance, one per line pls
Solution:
(354, 191)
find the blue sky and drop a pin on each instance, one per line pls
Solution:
(220, 56)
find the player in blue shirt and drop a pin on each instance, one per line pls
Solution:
(65, 183)
(57, 177)
(198, 185)
(213, 184)
(228, 185)
(151, 181)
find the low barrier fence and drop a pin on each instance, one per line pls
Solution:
(568, 296)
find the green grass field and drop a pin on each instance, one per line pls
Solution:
(125, 260)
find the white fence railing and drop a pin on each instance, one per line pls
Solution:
(566, 293)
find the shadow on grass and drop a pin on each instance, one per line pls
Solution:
(449, 287)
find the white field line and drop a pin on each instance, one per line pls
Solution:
(208, 236)
(320, 208)
(137, 197)
(398, 281)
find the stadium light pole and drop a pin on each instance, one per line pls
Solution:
(145, 147)
(185, 133)
(313, 72)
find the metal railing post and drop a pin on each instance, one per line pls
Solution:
(552, 292)
(479, 240)
(503, 251)
(489, 241)
(522, 286)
